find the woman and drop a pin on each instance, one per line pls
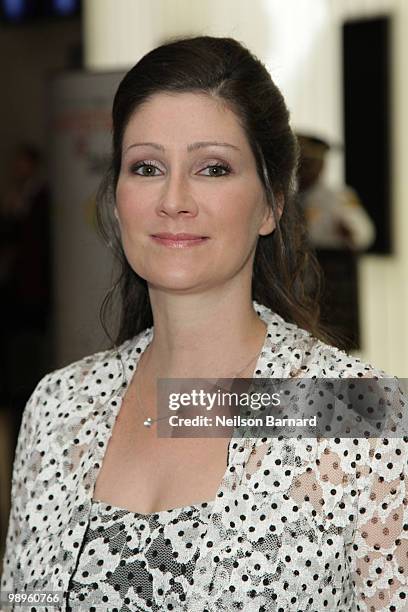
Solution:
(199, 199)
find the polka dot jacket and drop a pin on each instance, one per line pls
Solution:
(297, 524)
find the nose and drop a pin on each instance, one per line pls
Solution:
(176, 197)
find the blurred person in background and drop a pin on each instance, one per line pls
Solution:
(339, 228)
(336, 218)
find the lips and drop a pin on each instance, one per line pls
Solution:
(179, 241)
(181, 236)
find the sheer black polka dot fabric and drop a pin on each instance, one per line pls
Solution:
(132, 561)
(297, 524)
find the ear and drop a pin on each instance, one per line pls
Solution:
(268, 223)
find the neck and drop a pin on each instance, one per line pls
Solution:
(203, 336)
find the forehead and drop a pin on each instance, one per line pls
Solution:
(184, 118)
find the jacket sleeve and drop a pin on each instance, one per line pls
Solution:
(26, 437)
(379, 552)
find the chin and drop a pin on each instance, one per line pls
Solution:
(173, 281)
(175, 287)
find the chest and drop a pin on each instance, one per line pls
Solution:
(146, 473)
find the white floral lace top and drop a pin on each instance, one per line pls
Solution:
(297, 524)
(132, 561)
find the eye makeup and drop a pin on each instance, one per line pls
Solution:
(215, 168)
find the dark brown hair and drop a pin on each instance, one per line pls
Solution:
(286, 274)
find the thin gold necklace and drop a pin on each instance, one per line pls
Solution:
(148, 422)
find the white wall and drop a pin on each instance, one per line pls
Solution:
(299, 40)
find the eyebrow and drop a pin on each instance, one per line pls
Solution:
(192, 147)
(210, 143)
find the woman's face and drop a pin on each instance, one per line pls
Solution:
(187, 168)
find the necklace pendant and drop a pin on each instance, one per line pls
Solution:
(148, 422)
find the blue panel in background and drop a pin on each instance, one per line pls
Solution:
(27, 11)
(64, 7)
(14, 10)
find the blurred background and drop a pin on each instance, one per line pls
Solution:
(340, 66)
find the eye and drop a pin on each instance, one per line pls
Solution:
(218, 169)
(147, 169)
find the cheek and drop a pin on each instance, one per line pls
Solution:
(130, 205)
(124, 192)
(241, 214)
(122, 198)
